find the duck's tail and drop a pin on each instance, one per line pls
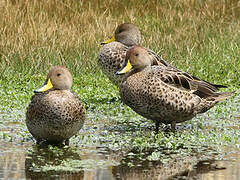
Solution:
(214, 99)
(222, 96)
(216, 86)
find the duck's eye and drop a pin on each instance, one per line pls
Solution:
(136, 54)
(120, 30)
(58, 74)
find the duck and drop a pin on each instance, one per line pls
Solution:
(112, 54)
(163, 94)
(55, 112)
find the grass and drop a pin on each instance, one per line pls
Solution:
(197, 36)
(201, 37)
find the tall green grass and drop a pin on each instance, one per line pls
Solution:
(201, 37)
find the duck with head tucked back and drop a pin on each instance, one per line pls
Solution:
(55, 113)
(112, 54)
(163, 94)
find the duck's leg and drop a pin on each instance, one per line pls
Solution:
(67, 142)
(173, 126)
(157, 127)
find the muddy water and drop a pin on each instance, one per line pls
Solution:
(12, 158)
(20, 158)
(28, 161)
(227, 169)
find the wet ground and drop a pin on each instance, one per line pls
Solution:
(109, 148)
(31, 162)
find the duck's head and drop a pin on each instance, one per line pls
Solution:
(137, 58)
(127, 34)
(58, 78)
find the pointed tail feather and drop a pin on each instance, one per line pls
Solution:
(222, 96)
(216, 85)
(211, 86)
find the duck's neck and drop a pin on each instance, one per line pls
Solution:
(130, 43)
(133, 71)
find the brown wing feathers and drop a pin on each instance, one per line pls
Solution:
(199, 87)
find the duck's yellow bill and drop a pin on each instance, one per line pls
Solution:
(108, 41)
(46, 86)
(125, 68)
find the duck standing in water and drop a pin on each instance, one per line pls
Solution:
(55, 113)
(164, 94)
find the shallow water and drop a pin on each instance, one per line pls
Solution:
(28, 161)
(102, 150)
(229, 168)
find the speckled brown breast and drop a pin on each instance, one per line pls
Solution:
(150, 97)
(111, 59)
(55, 115)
